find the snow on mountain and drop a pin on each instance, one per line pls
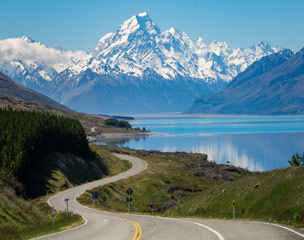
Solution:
(137, 57)
(138, 45)
(31, 62)
(274, 85)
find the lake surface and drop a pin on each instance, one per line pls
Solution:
(256, 143)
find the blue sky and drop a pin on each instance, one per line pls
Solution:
(79, 24)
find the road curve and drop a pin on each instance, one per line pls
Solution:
(115, 226)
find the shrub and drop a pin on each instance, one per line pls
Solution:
(117, 123)
(296, 160)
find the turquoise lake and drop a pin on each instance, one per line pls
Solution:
(255, 143)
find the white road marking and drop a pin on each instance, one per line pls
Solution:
(280, 226)
(220, 237)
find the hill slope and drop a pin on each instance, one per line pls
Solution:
(10, 88)
(274, 85)
(25, 219)
(16, 96)
(187, 185)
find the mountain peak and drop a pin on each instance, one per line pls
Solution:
(27, 39)
(172, 30)
(143, 14)
(140, 21)
(264, 45)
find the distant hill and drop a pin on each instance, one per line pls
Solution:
(17, 96)
(273, 85)
(11, 89)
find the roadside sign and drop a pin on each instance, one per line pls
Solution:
(66, 199)
(129, 199)
(129, 191)
(95, 195)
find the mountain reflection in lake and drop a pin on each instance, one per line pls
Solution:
(264, 150)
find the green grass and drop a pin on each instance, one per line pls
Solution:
(114, 165)
(168, 188)
(24, 219)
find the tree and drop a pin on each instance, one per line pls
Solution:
(296, 160)
(116, 123)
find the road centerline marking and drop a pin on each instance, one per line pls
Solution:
(138, 230)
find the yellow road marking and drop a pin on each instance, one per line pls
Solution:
(138, 231)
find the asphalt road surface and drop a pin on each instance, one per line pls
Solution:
(101, 225)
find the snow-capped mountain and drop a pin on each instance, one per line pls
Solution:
(274, 85)
(139, 44)
(33, 64)
(138, 68)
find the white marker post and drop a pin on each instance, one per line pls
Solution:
(128, 204)
(53, 214)
(233, 209)
(67, 202)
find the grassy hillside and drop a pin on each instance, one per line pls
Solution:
(180, 184)
(10, 88)
(21, 219)
(87, 121)
(43, 153)
(24, 219)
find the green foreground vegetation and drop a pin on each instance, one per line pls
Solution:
(27, 137)
(93, 125)
(24, 219)
(21, 219)
(40, 154)
(187, 185)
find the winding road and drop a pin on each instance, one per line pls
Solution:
(101, 225)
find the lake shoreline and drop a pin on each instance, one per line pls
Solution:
(259, 144)
(123, 135)
(204, 116)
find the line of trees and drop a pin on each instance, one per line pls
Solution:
(25, 137)
(117, 123)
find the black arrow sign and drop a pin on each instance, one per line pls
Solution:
(129, 191)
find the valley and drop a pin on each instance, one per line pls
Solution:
(151, 120)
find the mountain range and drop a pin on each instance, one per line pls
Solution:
(136, 69)
(273, 85)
